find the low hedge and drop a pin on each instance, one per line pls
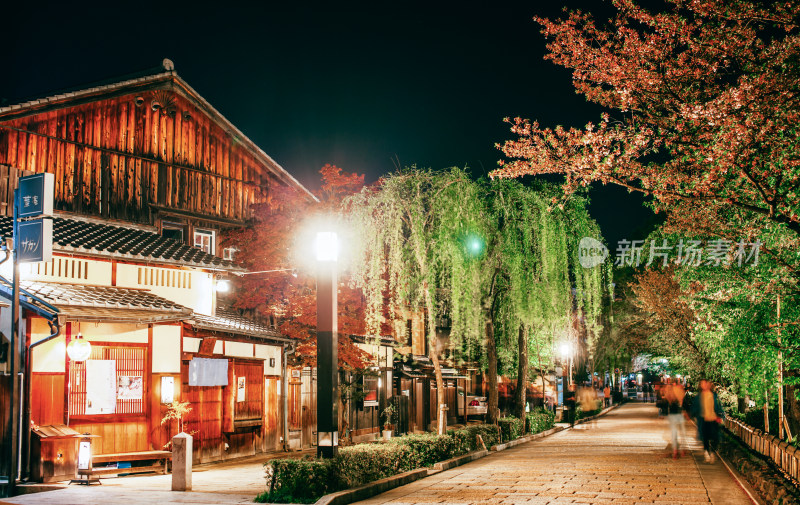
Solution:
(510, 428)
(427, 449)
(540, 420)
(580, 414)
(306, 480)
(488, 432)
(297, 480)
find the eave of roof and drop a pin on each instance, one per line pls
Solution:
(228, 322)
(147, 82)
(92, 238)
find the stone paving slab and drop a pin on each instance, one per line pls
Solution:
(620, 460)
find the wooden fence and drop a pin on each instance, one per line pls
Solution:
(784, 455)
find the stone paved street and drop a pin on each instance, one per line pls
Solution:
(618, 461)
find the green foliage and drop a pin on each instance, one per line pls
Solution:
(418, 235)
(540, 420)
(427, 448)
(297, 480)
(363, 463)
(510, 428)
(581, 414)
(488, 432)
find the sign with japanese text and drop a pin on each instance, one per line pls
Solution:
(35, 241)
(36, 195)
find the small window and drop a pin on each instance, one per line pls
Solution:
(370, 391)
(204, 239)
(228, 253)
(173, 231)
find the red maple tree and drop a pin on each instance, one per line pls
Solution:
(287, 292)
(703, 105)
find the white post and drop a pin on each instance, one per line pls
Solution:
(182, 462)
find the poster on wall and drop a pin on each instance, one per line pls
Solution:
(129, 387)
(241, 382)
(101, 386)
(167, 389)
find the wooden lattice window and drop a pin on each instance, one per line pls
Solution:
(129, 365)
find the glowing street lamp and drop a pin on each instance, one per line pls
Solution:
(326, 248)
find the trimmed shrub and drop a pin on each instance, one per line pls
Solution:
(510, 428)
(580, 414)
(362, 463)
(298, 480)
(488, 432)
(306, 480)
(427, 449)
(540, 420)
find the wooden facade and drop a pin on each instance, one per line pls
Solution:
(149, 151)
(134, 151)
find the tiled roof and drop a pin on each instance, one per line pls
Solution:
(67, 295)
(231, 321)
(79, 236)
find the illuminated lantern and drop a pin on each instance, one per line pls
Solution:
(79, 349)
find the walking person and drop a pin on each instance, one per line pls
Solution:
(709, 414)
(570, 404)
(673, 397)
(607, 396)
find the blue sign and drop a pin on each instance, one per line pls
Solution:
(35, 195)
(35, 241)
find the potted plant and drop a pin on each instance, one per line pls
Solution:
(387, 414)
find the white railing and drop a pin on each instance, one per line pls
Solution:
(783, 454)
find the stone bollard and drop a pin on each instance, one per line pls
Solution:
(182, 462)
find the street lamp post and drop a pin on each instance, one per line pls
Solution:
(327, 248)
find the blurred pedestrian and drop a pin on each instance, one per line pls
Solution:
(607, 395)
(707, 410)
(587, 400)
(570, 404)
(673, 395)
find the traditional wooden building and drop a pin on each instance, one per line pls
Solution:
(147, 175)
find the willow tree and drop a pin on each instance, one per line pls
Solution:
(532, 262)
(414, 231)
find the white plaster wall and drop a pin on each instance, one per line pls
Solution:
(64, 269)
(200, 297)
(5, 328)
(166, 348)
(266, 352)
(111, 332)
(217, 347)
(50, 356)
(191, 344)
(238, 349)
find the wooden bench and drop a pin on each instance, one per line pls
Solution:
(161, 457)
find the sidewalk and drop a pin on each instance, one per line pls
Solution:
(237, 481)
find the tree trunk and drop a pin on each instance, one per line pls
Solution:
(491, 356)
(793, 411)
(522, 374)
(491, 348)
(441, 403)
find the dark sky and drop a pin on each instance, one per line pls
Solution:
(357, 85)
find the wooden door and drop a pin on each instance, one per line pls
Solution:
(419, 405)
(272, 409)
(308, 410)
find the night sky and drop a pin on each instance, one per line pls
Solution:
(360, 86)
